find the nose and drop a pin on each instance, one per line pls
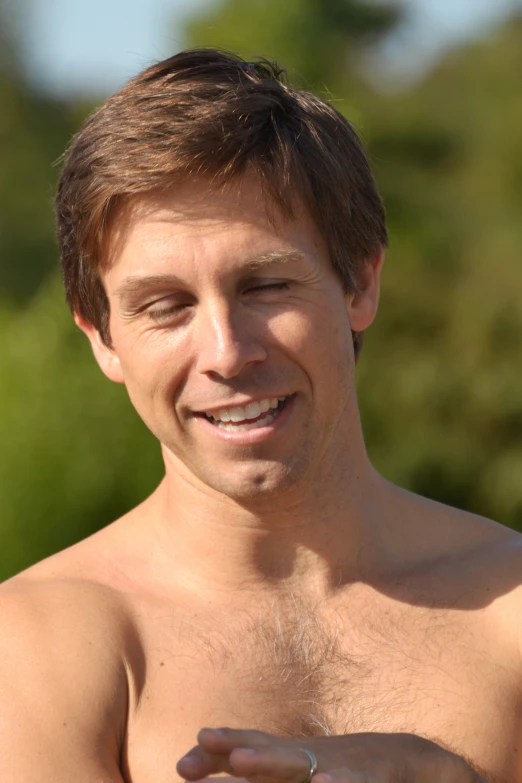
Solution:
(226, 341)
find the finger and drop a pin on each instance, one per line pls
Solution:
(199, 763)
(285, 763)
(224, 740)
(211, 755)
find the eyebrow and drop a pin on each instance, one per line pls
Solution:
(134, 285)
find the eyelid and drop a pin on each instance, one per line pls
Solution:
(267, 284)
(170, 305)
(165, 312)
(156, 308)
(176, 297)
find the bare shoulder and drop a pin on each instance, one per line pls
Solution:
(464, 546)
(495, 565)
(456, 559)
(71, 606)
(481, 552)
(64, 645)
(471, 565)
(489, 581)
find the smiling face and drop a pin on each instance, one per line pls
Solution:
(232, 334)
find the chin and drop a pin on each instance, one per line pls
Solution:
(251, 482)
(244, 480)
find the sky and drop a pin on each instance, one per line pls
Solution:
(74, 46)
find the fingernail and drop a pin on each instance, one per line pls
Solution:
(248, 751)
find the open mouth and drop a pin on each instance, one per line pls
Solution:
(248, 417)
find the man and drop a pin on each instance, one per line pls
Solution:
(221, 239)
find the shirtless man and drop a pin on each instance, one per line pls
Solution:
(221, 240)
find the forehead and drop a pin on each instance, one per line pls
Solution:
(196, 221)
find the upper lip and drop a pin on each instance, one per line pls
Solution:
(239, 404)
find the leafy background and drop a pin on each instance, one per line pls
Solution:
(439, 379)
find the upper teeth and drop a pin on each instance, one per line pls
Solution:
(244, 412)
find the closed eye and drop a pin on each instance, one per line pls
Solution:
(164, 312)
(175, 309)
(279, 286)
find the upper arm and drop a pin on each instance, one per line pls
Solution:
(62, 690)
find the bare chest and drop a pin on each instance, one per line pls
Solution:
(305, 673)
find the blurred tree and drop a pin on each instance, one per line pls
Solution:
(318, 41)
(318, 38)
(438, 378)
(447, 345)
(74, 455)
(34, 130)
(9, 60)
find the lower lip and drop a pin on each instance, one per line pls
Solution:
(248, 437)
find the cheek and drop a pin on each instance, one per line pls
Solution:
(323, 330)
(152, 363)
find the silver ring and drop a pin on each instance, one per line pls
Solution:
(313, 765)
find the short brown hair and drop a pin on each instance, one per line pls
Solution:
(207, 113)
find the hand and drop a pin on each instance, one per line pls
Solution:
(352, 758)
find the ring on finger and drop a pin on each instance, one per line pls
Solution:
(313, 765)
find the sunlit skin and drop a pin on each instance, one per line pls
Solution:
(216, 303)
(240, 310)
(274, 580)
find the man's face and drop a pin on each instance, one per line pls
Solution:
(232, 335)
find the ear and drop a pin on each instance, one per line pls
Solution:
(362, 306)
(106, 357)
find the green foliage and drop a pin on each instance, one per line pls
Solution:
(438, 378)
(34, 130)
(448, 341)
(75, 455)
(313, 38)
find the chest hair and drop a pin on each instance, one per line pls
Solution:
(289, 668)
(301, 671)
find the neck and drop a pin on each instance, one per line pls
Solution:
(313, 538)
